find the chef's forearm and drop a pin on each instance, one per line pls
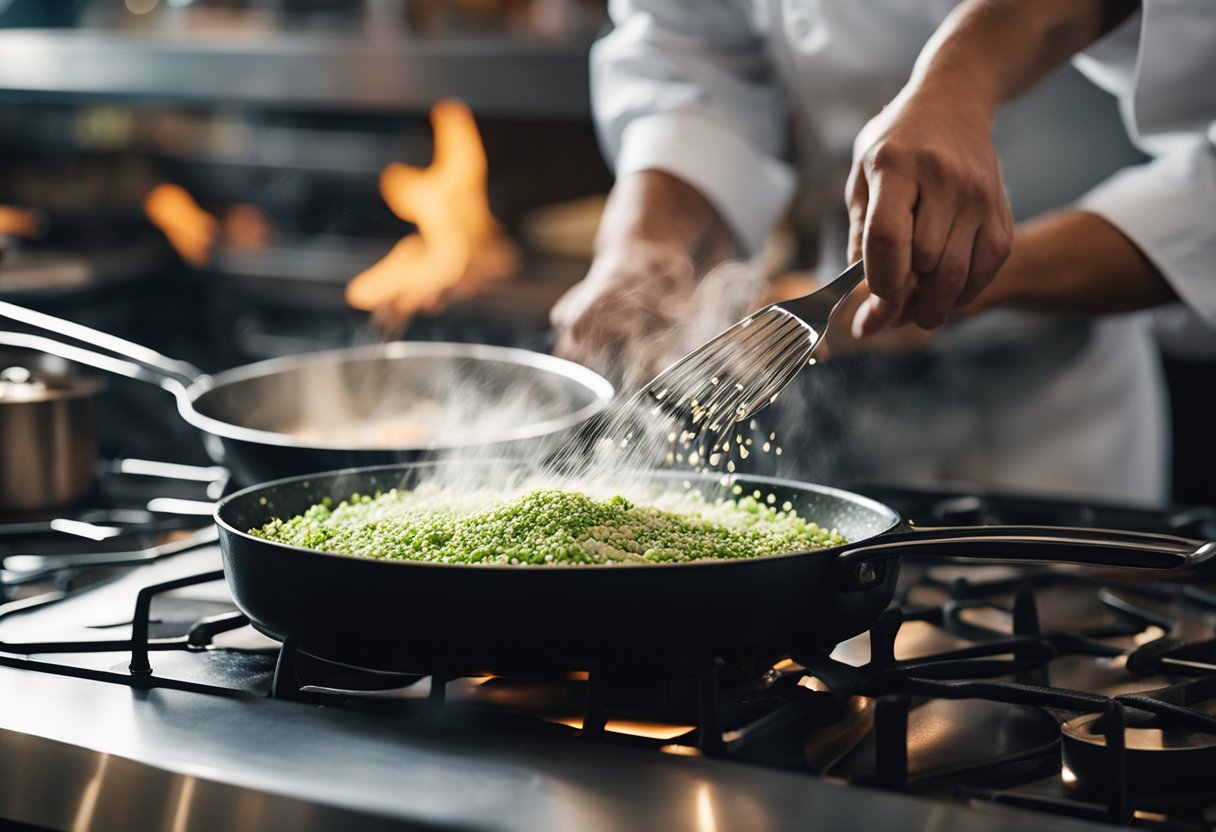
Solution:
(1074, 263)
(654, 208)
(990, 51)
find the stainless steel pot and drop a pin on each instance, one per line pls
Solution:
(48, 432)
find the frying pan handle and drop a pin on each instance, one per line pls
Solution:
(1050, 544)
(101, 361)
(180, 371)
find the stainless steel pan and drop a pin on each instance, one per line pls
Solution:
(274, 418)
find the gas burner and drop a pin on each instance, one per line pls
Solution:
(706, 708)
(1162, 762)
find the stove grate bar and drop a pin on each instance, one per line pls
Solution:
(205, 630)
(19, 654)
(140, 664)
(709, 721)
(1067, 807)
(1174, 703)
(1010, 693)
(891, 748)
(143, 682)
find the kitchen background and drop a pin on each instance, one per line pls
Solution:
(207, 177)
(203, 177)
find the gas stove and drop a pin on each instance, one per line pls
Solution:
(136, 695)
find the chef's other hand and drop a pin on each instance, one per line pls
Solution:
(631, 295)
(927, 210)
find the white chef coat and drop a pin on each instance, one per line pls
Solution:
(1161, 64)
(705, 91)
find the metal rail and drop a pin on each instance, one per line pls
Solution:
(500, 76)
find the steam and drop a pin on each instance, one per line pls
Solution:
(487, 423)
(618, 451)
(915, 416)
(723, 296)
(422, 401)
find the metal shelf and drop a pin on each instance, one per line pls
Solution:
(500, 76)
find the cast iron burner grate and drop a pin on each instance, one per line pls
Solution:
(1127, 758)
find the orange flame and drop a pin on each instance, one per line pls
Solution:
(190, 230)
(651, 730)
(459, 246)
(20, 222)
(246, 226)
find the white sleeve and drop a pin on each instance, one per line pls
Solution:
(1167, 207)
(686, 87)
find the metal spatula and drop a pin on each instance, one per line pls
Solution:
(741, 370)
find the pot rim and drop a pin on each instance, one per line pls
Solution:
(60, 387)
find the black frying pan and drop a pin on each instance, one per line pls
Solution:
(414, 616)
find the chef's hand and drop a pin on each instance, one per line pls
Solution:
(631, 295)
(655, 233)
(927, 210)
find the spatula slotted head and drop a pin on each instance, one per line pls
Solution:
(737, 372)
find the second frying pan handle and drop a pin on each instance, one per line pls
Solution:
(1050, 544)
(101, 361)
(183, 372)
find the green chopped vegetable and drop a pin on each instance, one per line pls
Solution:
(548, 526)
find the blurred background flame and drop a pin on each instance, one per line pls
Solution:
(458, 247)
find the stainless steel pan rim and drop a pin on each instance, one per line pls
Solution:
(874, 506)
(601, 390)
(191, 389)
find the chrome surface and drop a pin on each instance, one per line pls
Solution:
(88, 756)
(494, 76)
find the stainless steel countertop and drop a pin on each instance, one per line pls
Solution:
(493, 75)
(87, 755)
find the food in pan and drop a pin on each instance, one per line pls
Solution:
(549, 527)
